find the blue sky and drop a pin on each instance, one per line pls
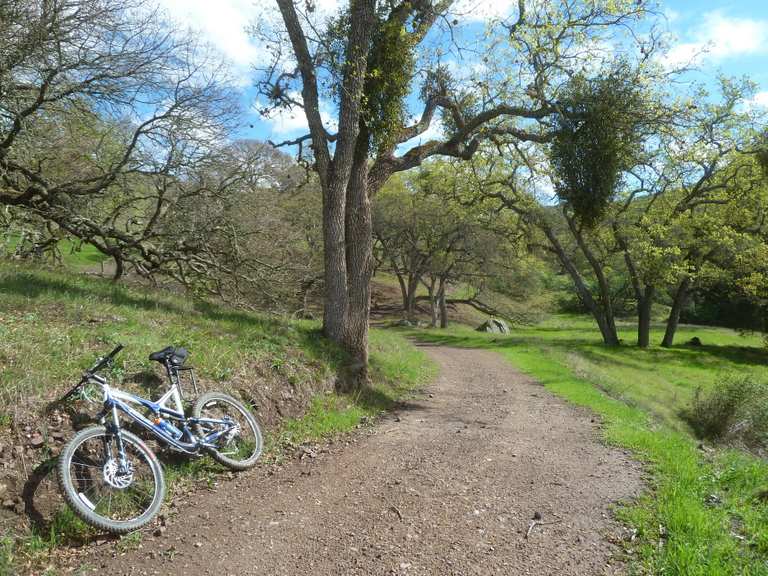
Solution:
(728, 37)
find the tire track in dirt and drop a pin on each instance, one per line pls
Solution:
(448, 486)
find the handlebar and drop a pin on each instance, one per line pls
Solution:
(99, 365)
(102, 362)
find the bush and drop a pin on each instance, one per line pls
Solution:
(735, 410)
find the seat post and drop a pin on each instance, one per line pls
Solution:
(173, 376)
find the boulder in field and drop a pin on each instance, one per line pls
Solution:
(494, 326)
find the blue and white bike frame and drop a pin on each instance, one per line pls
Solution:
(180, 438)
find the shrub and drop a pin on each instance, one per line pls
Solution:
(735, 410)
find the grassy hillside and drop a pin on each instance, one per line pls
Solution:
(706, 510)
(54, 324)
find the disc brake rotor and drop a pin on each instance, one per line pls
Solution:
(115, 477)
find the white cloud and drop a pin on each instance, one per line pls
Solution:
(222, 24)
(720, 37)
(760, 99)
(482, 10)
(288, 123)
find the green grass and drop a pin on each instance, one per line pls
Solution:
(703, 513)
(52, 326)
(74, 254)
(397, 370)
(80, 255)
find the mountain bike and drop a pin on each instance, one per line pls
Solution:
(111, 478)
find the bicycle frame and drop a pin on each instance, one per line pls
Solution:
(116, 401)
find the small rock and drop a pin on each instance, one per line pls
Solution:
(36, 441)
(537, 515)
(713, 500)
(160, 530)
(198, 544)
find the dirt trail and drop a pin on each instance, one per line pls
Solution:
(448, 486)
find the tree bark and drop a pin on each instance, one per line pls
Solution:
(607, 328)
(342, 179)
(401, 282)
(413, 287)
(335, 263)
(433, 307)
(610, 336)
(119, 267)
(359, 265)
(678, 302)
(443, 305)
(643, 294)
(644, 305)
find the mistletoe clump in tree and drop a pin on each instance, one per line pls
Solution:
(598, 133)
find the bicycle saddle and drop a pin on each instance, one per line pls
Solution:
(176, 356)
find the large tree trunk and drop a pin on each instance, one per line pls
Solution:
(347, 295)
(119, 266)
(409, 285)
(335, 262)
(644, 306)
(359, 264)
(643, 294)
(413, 288)
(403, 286)
(433, 306)
(681, 295)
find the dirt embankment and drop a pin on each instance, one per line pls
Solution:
(487, 473)
(29, 495)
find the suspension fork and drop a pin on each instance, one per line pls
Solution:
(114, 429)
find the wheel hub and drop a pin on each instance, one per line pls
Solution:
(231, 434)
(115, 477)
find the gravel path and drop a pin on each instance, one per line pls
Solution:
(448, 486)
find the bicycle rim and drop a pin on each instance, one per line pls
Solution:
(106, 491)
(242, 445)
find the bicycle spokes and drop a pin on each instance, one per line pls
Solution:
(114, 489)
(228, 429)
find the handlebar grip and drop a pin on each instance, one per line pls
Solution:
(115, 351)
(106, 359)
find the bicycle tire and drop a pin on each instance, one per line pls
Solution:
(75, 500)
(235, 464)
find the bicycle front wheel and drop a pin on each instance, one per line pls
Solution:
(238, 442)
(112, 494)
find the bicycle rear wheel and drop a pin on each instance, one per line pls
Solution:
(110, 496)
(240, 445)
